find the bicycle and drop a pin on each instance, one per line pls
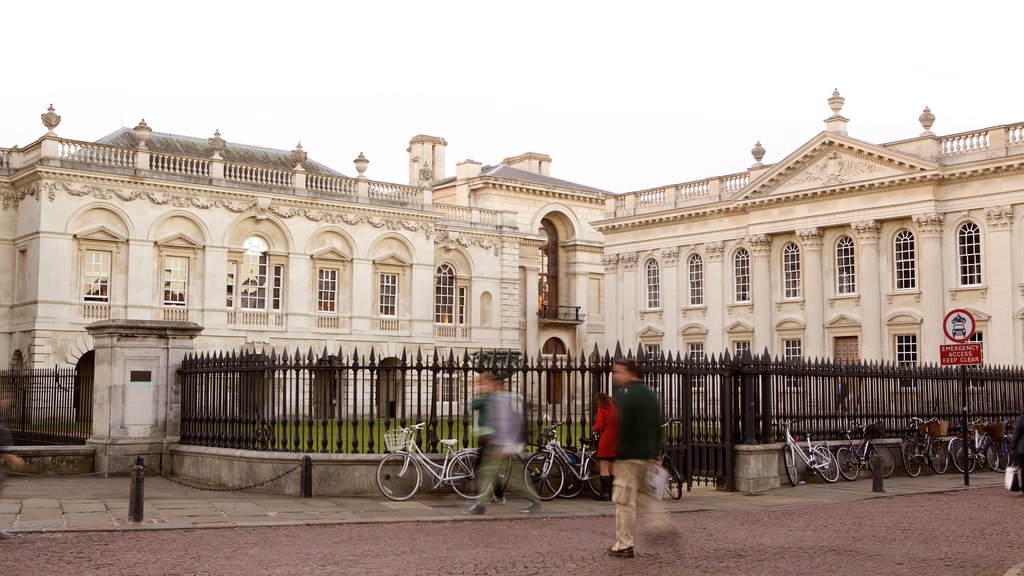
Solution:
(851, 459)
(918, 448)
(983, 447)
(555, 471)
(400, 473)
(674, 486)
(817, 458)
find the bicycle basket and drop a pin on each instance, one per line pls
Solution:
(395, 440)
(940, 428)
(996, 430)
(874, 431)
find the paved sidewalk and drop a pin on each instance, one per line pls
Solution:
(49, 504)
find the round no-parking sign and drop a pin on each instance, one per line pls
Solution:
(958, 325)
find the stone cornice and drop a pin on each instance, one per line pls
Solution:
(545, 191)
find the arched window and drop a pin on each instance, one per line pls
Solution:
(653, 285)
(741, 275)
(904, 260)
(846, 266)
(968, 247)
(444, 295)
(696, 271)
(547, 279)
(791, 271)
(252, 275)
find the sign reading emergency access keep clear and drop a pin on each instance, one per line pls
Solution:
(959, 327)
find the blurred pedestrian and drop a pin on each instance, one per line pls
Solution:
(606, 423)
(1018, 446)
(639, 448)
(488, 385)
(506, 438)
(6, 458)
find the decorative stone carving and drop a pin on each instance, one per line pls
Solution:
(999, 217)
(930, 223)
(714, 250)
(142, 132)
(14, 196)
(760, 243)
(758, 153)
(50, 119)
(927, 119)
(216, 145)
(810, 238)
(866, 230)
(262, 207)
(361, 163)
(298, 156)
(835, 169)
(670, 256)
(835, 102)
(628, 260)
(610, 261)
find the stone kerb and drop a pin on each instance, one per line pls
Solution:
(136, 391)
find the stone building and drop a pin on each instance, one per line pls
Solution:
(844, 249)
(268, 248)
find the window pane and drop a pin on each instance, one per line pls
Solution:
(696, 268)
(388, 304)
(175, 281)
(275, 303)
(653, 285)
(444, 295)
(906, 349)
(741, 273)
(968, 240)
(252, 275)
(905, 259)
(230, 300)
(846, 268)
(327, 291)
(791, 271)
(96, 276)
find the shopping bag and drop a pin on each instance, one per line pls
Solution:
(1013, 478)
(655, 481)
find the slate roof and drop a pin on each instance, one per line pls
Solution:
(508, 172)
(199, 148)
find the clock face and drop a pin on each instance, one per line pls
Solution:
(426, 173)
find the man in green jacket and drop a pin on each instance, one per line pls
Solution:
(639, 447)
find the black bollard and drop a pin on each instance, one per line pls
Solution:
(306, 480)
(876, 472)
(135, 497)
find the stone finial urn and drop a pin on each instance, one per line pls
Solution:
(50, 119)
(361, 163)
(299, 156)
(927, 119)
(757, 152)
(835, 102)
(216, 144)
(142, 133)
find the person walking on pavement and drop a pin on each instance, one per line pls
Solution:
(6, 458)
(484, 430)
(507, 427)
(606, 423)
(1018, 447)
(639, 446)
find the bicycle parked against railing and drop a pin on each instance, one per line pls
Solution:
(853, 458)
(400, 473)
(986, 444)
(555, 471)
(817, 457)
(919, 447)
(675, 484)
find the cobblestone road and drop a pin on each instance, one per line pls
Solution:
(956, 533)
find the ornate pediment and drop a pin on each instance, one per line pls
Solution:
(179, 241)
(693, 330)
(903, 318)
(790, 324)
(102, 234)
(739, 327)
(391, 259)
(831, 161)
(842, 321)
(650, 332)
(330, 253)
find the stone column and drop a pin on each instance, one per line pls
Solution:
(931, 285)
(630, 293)
(761, 287)
(673, 287)
(714, 295)
(869, 286)
(814, 305)
(136, 390)
(999, 342)
(612, 308)
(530, 305)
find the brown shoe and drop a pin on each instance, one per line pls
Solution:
(624, 553)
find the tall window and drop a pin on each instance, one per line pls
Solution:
(846, 267)
(252, 276)
(96, 276)
(696, 269)
(175, 281)
(905, 259)
(741, 275)
(547, 289)
(906, 349)
(792, 350)
(444, 295)
(791, 271)
(232, 275)
(653, 285)
(388, 303)
(327, 290)
(741, 347)
(695, 351)
(968, 244)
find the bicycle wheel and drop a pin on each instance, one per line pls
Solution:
(826, 465)
(938, 455)
(911, 452)
(593, 476)
(996, 456)
(398, 476)
(961, 458)
(572, 484)
(544, 475)
(674, 486)
(462, 475)
(789, 455)
(886, 457)
(849, 466)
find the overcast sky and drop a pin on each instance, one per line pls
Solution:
(622, 95)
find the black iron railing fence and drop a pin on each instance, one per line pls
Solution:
(322, 402)
(46, 406)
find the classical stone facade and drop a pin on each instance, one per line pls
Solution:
(267, 248)
(843, 249)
